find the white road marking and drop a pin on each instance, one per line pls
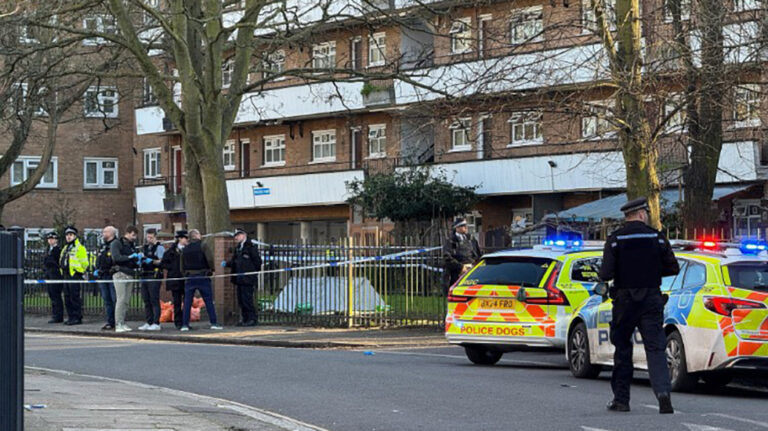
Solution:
(736, 418)
(652, 407)
(697, 427)
(592, 429)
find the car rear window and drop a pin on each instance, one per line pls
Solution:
(514, 271)
(749, 275)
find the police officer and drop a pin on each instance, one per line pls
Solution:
(150, 284)
(636, 257)
(103, 273)
(171, 262)
(52, 272)
(459, 251)
(194, 265)
(245, 260)
(73, 264)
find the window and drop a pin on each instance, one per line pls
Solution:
(527, 25)
(152, 163)
(676, 120)
(100, 173)
(18, 98)
(695, 276)
(231, 4)
(685, 9)
(460, 134)
(24, 167)
(742, 5)
(586, 270)
(101, 24)
(461, 36)
(525, 128)
(226, 74)
(509, 271)
(377, 48)
(152, 4)
(274, 64)
(596, 123)
(229, 156)
(274, 150)
(148, 96)
(101, 102)
(588, 19)
(746, 218)
(324, 146)
(746, 105)
(377, 140)
(324, 55)
(356, 53)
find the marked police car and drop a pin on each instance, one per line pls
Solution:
(716, 319)
(520, 298)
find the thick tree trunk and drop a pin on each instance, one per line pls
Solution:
(706, 135)
(194, 201)
(216, 197)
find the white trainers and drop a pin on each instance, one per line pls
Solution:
(217, 327)
(154, 327)
(122, 328)
(184, 329)
(144, 327)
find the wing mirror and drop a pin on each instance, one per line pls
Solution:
(602, 290)
(526, 293)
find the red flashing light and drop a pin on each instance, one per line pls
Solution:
(458, 298)
(724, 306)
(555, 296)
(709, 244)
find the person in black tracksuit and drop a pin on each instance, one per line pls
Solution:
(52, 272)
(245, 260)
(103, 271)
(151, 276)
(636, 257)
(171, 262)
(459, 251)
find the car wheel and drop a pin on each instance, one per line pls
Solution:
(681, 380)
(578, 354)
(482, 356)
(716, 381)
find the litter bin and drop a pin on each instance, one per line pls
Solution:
(12, 333)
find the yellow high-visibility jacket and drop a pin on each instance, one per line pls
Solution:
(75, 257)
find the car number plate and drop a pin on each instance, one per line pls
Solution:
(503, 304)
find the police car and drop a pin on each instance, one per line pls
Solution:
(716, 319)
(520, 298)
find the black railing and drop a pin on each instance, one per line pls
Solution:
(12, 333)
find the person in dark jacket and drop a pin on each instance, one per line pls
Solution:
(245, 261)
(460, 252)
(194, 265)
(52, 272)
(171, 263)
(636, 257)
(151, 280)
(126, 260)
(103, 272)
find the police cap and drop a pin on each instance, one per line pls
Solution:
(182, 233)
(70, 229)
(635, 205)
(238, 232)
(52, 234)
(459, 222)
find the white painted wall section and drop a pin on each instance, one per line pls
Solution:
(149, 120)
(149, 199)
(300, 101)
(328, 188)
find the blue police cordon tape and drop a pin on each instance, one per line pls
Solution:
(394, 256)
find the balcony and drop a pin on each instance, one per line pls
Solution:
(159, 195)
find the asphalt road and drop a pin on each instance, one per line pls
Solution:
(416, 389)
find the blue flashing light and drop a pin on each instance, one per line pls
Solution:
(751, 246)
(568, 240)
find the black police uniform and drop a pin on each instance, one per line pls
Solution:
(245, 260)
(150, 290)
(458, 251)
(55, 291)
(636, 257)
(104, 264)
(171, 262)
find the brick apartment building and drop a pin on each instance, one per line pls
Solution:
(531, 151)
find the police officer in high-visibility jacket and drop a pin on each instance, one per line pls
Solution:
(636, 257)
(73, 263)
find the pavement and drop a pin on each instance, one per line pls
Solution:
(270, 336)
(61, 401)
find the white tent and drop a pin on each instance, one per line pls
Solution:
(327, 295)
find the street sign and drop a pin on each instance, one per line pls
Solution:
(260, 191)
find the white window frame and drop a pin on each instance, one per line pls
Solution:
(460, 129)
(744, 5)
(228, 154)
(148, 96)
(101, 99)
(104, 24)
(588, 19)
(675, 123)
(324, 55)
(377, 49)
(152, 167)
(377, 141)
(461, 35)
(598, 126)
(30, 163)
(226, 73)
(100, 170)
(274, 144)
(524, 121)
(529, 22)
(318, 146)
(274, 64)
(22, 88)
(685, 10)
(747, 95)
(147, 18)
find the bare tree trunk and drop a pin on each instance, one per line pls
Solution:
(706, 135)
(193, 193)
